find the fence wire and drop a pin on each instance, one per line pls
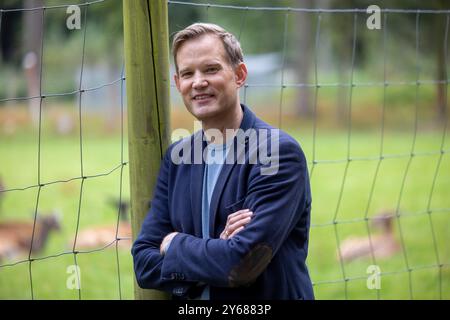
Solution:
(316, 163)
(41, 184)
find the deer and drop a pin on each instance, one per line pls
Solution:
(382, 245)
(102, 236)
(16, 236)
(105, 235)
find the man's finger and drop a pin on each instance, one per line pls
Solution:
(236, 231)
(237, 224)
(234, 214)
(240, 222)
(239, 217)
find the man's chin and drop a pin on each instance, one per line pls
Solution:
(203, 117)
(203, 113)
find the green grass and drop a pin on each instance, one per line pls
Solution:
(60, 161)
(345, 192)
(345, 201)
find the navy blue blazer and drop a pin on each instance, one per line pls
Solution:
(266, 260)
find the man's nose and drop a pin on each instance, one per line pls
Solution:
(199, 82)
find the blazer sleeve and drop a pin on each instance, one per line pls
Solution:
(278, 202)
(145, 251)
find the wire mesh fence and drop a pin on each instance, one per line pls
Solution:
(360, 101)
(366, 218)
(62, 136)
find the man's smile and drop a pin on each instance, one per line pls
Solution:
(202, 97)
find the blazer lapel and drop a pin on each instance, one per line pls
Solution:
(196, 182)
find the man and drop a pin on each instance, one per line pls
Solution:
(236, 226)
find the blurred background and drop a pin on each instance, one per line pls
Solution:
(368, 106)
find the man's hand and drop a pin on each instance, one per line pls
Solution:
(235, 223)
(166, 242)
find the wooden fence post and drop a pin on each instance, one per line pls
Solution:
(147, 81)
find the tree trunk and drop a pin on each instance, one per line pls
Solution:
(304, 58)
(441, 111)
(32, 39)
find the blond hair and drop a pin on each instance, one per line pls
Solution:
(230, 43)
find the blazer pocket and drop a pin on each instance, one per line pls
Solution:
(236, 206)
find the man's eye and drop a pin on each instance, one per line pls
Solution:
(211, 70)
(186, 74)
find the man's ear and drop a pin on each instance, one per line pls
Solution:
(177, 81)
(241, 74)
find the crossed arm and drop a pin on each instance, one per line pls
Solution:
(235, 223)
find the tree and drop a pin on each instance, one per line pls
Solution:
(304, 29)
(9, 30)
(33, 32)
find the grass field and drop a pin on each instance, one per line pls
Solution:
(345, 202)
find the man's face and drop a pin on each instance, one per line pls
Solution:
(206, 80)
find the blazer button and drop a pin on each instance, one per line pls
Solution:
(178, 291)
